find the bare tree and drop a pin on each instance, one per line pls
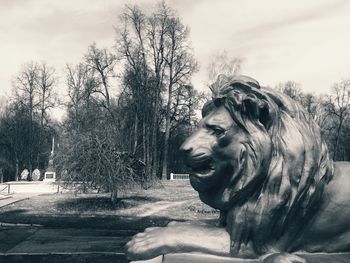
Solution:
(180, 66)
(75, 79)
(156, 36)
(158, 60)
(26, 89)
(292, 89)
(132, 47)
(102, 63)
(47, 98)
(142, 44)
(26, 86)
(84, 105)
(97, 164)
(46, 82)
(339, 106)
(19, 143)
(13, 135)
(222, 63)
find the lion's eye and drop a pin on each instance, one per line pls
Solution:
(217, 131)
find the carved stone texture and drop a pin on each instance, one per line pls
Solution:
(36, 175)
(259, 158)
(24, 175)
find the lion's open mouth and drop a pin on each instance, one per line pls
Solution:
(202, 169)
(202, 175)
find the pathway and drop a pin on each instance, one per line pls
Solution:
(16, 197)
(159, 206)
(39, 244)
(150, 209)
(21, 190)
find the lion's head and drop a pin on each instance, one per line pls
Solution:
(258, 157)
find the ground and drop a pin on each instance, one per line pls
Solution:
(80, 224)
(64, 227)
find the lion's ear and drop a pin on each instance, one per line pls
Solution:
(257, 110)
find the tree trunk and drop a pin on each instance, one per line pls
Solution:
(144, 141)
(105, 85)
(30, 172)
(167, 135)
(148, 155)
(31, 136)
(17, 170)
(130, 145)
(337, 139)
(135, 133)
(166, 153)
(42, 108)
(154, 139)
(114, 196)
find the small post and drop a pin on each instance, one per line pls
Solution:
(8, 189)
(171, 176)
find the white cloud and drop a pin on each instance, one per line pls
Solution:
(280, 40)
(58, 32)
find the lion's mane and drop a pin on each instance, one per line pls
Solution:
(291, 187)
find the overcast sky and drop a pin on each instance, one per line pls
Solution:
(278, 40)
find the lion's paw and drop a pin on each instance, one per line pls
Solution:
(283, 258)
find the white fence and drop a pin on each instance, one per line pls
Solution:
(179, 176)
(5, 189)
(28, 187)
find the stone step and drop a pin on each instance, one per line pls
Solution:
(203, 258)
(102, 257)
(81, 257)
(2, 197)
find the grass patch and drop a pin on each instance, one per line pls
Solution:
(185, 205)
(88, 204)
(11, 237)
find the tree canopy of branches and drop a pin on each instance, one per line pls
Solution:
(222, 63)
(331, 112)
(338, 107)
(92, 151)
(24, 142)
(92, 161)
(115, 141)
(158, 64)
(25, 126)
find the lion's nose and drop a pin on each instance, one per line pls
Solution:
(186, 148)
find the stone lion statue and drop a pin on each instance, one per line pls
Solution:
(259, 158)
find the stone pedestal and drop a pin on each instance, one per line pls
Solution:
(196, 258)
(205, 258)
(49, 176)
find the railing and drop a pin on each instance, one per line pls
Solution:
(6, 189)
(28, 187)
(179, 176)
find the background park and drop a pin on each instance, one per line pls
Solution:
(110, 122)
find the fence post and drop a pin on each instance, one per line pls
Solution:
(8, 189)
(171, 176)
